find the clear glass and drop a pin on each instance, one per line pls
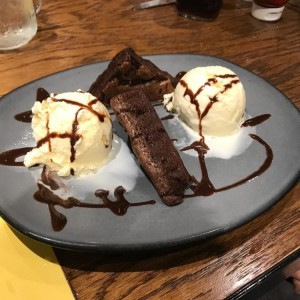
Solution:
(18, 23)
(199, 9)
(37, 4)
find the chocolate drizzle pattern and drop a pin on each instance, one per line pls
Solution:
(193, 97)
(26, 116)
(9, 157)
(256, 120)
(51, 182)
(167, 117)
(205, 187)
(89, 107)
(73, 136)
(180, 74)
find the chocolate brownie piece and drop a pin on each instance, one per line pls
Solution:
(128, 71)
(152, 145)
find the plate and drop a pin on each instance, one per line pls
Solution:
(151, 227)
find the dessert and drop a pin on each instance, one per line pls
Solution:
(73, 132)
(128, 71)
(210, 100)
(152, 145)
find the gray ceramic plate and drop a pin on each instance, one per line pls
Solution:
(156, 226)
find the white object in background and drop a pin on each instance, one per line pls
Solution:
(18, 23)
(266, 13)
(152, 3)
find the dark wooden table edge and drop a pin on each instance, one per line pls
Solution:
(265, 281)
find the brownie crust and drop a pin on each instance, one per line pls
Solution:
(152, 145)
(129, 71)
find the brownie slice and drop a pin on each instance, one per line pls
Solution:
(128, 71)
(152, 145)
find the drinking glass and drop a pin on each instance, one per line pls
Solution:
(18, 23)
(199, 9)
(37, 4)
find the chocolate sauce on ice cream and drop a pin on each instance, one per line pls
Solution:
(50, 184)
(73, 133)
(211, 101)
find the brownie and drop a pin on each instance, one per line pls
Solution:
(129, 71)
(152, 145)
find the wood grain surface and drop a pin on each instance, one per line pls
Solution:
(211, 270)
(73, 33)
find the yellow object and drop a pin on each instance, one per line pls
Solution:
(29, 269)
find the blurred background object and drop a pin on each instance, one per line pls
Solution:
(18, 23)
(37, 4)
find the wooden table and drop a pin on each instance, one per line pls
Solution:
(73, 33)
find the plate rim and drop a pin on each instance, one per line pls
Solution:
(152, 246)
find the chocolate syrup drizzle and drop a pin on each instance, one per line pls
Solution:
(180, 74)
(26, 116)
(9, 157)
(204, 187)
(50, 181)
(45, 195)
(41, 95)
(167, 117)
(193, 96)
(256, 120)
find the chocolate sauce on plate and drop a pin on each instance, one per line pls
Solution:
(51, 182)
(205, 187)
(26, 116)
(167, 117)
(46, 195)
(9, 157)
(256, 120)
(41, 94)
(180, 74)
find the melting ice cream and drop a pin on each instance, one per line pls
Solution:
(210, 100)
(73, 132)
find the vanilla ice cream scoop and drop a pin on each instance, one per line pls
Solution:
(73, 132)
(210, 100)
